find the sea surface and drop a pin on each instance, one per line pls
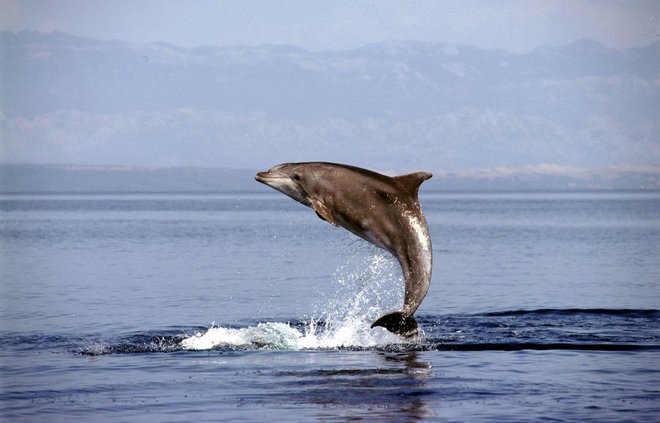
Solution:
(246, 307)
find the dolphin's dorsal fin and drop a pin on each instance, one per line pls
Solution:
(412, 181)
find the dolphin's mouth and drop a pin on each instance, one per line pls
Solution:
(261, 176)
(269, 177)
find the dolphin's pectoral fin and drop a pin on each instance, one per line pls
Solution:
(323, 212)
(398, 323)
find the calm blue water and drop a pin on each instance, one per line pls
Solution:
(543, 306)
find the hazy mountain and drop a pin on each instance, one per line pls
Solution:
(403, 106)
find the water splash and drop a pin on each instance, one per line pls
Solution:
(269, 335)
(367, 286)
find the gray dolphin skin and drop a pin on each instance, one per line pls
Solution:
(380, 209)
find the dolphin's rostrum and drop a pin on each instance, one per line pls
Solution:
(380, 209)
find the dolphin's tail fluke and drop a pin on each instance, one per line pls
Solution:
(398, 323)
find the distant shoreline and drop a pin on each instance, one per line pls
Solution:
(37, 179)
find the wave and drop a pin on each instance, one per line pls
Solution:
(271, 336)
(514, 330)
(592, 329)
(634, 313)
(536, 346)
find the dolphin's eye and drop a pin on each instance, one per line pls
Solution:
(296, 177)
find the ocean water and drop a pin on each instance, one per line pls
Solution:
(213, 307)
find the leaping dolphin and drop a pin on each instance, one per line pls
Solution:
(380, 209)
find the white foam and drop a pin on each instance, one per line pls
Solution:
(351, 333)
(265, 335)
(367, 287)
(281, 336)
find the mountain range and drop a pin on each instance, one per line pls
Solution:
(400, 105)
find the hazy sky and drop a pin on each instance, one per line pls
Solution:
(321, 25)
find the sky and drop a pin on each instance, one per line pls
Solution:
(330, 25)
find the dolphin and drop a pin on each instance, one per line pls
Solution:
(383, 210)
